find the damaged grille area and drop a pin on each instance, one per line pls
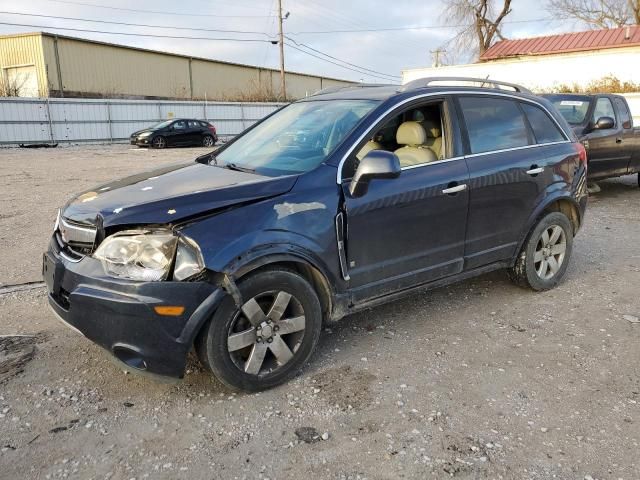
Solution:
(74, 240)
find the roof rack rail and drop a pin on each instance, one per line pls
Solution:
(339, 88)
(425, 82)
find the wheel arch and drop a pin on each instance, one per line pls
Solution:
(306, 268)
(562, 203)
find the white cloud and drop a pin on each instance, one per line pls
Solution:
(384, 51)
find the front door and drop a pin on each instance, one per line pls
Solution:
(606, 151)
(177, 133)
(407, 231)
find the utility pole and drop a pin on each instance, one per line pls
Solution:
(436, 56)
(283, 84)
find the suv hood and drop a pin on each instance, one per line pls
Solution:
(171, 194)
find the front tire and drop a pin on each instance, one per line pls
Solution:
(268, 340)
(544, 257)
(159, 142)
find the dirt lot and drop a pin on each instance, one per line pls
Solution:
(479, 380)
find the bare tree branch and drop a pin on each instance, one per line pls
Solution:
(597, 13)
(482, 23)
(634, 5)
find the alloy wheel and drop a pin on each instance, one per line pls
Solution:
(550, 252)
(207, 141)
(266, 332)
(159, 142)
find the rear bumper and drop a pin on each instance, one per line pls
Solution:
(119, 315)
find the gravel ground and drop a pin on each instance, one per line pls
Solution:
(478, 380)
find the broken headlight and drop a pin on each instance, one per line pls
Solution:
(138, 254)
(148, 255)
(189, 260)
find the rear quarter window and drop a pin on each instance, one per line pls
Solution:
(493, 124)
(625, 116)
(544, 128)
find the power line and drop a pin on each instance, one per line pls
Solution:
(159, 12)
(337, 64)
(137, 34)
(420, 27)
(134, 24)
(340, 60)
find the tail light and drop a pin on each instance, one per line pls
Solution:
(582, 152)
(212, 129)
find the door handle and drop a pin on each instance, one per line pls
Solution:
(535, 170)
(618, 140)
(455, 189)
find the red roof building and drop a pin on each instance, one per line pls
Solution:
(567, 43)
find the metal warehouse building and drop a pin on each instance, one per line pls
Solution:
(43, 64)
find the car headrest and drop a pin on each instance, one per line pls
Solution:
(432, 128)
(411, 133)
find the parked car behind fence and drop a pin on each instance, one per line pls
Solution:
(178, 132)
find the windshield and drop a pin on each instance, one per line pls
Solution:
(296, 139)
(572, 107)
(166, 123)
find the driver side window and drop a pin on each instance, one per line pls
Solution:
(179, 125)
(416, 135)
(604, 108)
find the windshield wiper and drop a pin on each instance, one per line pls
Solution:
(233, 166)
(207, 158)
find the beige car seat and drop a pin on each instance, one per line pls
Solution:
(414, 152)
(370, 145)
(434, 136)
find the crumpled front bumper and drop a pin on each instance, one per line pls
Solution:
(119, 314)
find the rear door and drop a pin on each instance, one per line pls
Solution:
(509, 171)
(607, 153)
(195, 132)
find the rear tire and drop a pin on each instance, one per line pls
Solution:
(208, 141)
(545, 255)
(159, 142)
(268, 340)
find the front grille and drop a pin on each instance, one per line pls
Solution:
(74, 240)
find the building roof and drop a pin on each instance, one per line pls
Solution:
(160, 52)
(570, 42)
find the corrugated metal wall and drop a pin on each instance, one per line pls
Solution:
(25, 120)
(95, 69)
(24, 50)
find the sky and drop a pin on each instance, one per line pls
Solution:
(322, 28)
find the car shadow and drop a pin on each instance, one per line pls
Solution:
(614, 187)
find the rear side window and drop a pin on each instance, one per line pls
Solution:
(203, 124)
(194, 124)
(493, 124)
(603, 109)
(544, 129)
(625, 117)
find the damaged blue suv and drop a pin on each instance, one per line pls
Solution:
(339, 202)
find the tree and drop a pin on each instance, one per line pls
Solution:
(598, 13)
(634, 5)
(481, 22)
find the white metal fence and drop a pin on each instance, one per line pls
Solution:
(70, 120)
(55, 120)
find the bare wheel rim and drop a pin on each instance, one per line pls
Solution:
(266, 332)
(158, 142)
(550, 252)
(207, 141)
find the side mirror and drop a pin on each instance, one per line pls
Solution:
(604, 123)
(376, 164)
